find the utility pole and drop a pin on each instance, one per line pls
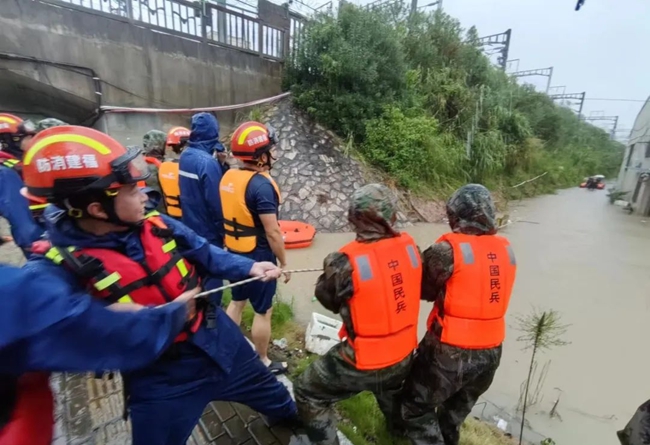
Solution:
(571, 96)
(612, 119)
(557, 87)
(498, 44)
(544, 72)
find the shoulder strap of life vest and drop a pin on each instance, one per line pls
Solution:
(9, 163)
(267, 175)
(153, 161)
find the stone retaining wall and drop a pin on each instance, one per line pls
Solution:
(314, 173)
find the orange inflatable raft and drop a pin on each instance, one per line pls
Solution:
(297, 234)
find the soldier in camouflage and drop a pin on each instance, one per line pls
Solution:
(48, 123)
(637, 430)
(153, 144)
(446, 381)
(334, 376)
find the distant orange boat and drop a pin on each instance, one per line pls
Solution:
(297, 234)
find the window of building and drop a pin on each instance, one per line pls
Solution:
(647, 150)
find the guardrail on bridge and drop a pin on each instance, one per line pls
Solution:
(271, 31)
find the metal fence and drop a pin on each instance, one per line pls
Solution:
(236, 27)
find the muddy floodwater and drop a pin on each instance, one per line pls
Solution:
(584, 258)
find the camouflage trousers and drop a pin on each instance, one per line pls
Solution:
(444, 384)
(637, 430)
(330, 379)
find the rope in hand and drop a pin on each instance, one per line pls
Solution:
(250, 280)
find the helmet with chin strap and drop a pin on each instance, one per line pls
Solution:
(71, 164)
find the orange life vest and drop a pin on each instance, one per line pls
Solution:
(168, 178)
(112, 276)
(153, 161)
(384, 308)
(241, 233)
(478, 292)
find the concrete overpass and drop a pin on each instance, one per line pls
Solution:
(68, 58)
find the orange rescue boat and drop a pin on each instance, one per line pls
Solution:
(297, 234)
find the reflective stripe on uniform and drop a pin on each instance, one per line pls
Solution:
(55, 256)
(467, 252)
(168, 247)
(125, 299)
(106, 282)
(364, 268)
(188, 175)
(182, 268)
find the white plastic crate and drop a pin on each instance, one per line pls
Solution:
(322, 333)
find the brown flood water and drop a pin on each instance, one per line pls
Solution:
(587, 260)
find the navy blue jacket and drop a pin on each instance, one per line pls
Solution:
(15, 209)
(48, 325)
(199, 177)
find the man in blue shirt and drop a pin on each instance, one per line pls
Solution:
(251, 203)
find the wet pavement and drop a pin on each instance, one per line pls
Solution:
(584, 258)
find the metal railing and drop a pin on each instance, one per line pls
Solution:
(212, 23)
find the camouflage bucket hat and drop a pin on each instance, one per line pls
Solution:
(374, 201)
(154, 142)
(471, 210)
(48, 123)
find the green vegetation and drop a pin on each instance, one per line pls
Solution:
(411, 91)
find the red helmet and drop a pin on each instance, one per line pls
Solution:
(70, 160)
(251, 139)
(178, 136)
(9, 123)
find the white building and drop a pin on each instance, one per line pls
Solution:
(634, 176)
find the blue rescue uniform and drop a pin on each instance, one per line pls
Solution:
(199, 177)
(168, 396)
(15, 209)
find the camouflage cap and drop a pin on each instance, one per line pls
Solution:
(48, 123)
(373, 211)
(153, 143)
(471, 210)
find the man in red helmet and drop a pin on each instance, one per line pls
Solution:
(102, 240)
(251, 203)
(14, 136)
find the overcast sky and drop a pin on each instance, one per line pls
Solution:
(601, 49)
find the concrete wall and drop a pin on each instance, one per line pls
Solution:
(137, 66)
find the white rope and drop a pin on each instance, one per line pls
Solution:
(250, 280)
(114, 109)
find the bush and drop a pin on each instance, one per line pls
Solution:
(423, 103)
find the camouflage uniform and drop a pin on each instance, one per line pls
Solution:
(48, 123)
(153, 144)
(637, 430)
(333, 377)
(446, 381)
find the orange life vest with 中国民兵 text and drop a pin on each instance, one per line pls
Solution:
(477, 293)
(384, 309)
